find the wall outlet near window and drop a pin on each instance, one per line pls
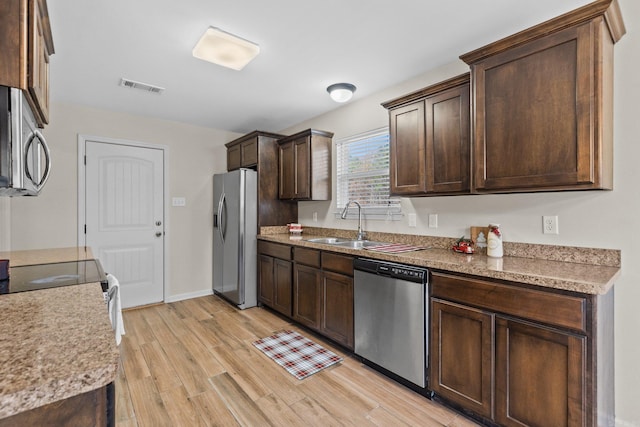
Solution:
(433, 220)
(550, 224)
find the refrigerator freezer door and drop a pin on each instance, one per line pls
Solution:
(232, 220)
(234, 237)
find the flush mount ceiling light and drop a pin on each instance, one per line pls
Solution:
(341, 92)
(225, 49)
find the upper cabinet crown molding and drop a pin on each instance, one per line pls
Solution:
(427, 91)
(610, 9)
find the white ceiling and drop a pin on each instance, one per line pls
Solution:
(305, 46)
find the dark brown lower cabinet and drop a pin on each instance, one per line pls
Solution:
(337, 308)
(462, 355)
(539, 375)
(87, 409)
(274, 276)
(307, 294)
(516, 355)
(275, 284)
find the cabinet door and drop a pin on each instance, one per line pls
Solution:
(448, 144)
(407, 150)
(307, 292)
(266, 285)
(539, 376)
(337, 308)
(282, 286)
(38, 78)
(249, 153)
(302, 159)
(462, 355)
(234, 157)
(536, 116)
(286, 171)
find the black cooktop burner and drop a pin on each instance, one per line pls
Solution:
(43, 276)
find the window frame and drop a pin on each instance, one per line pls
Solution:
(391, 212)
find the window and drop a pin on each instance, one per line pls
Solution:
(363, 174)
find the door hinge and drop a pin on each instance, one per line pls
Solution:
(85, 160)
(85, 229)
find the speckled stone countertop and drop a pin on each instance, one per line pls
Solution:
(584, 270)
(54, 343)
(46, 256)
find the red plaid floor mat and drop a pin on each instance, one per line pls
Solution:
(298, 355)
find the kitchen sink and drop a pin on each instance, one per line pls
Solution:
(328, 240)
(345, 243)
(358, 244)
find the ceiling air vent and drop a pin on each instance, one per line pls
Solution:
(142, 86)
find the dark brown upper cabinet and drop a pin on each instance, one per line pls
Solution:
(259, 150)
(304, 171)
(26, 44)
(542, 104)
(430, 140)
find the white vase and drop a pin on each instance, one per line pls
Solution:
(494, 241)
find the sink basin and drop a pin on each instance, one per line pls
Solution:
(328, 240)
(358, 244)
(345, 243)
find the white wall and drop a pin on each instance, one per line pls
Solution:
(5, 223)
(194, 155)
(604, 219)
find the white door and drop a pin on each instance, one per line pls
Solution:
(124, 197)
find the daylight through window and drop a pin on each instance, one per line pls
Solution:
(363, 172)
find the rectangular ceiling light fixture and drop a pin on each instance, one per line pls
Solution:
(225, 49)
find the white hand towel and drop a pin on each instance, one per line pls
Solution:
(115, 307)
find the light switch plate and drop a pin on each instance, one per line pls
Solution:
(178, 201)
(412, 219)
(433, 220)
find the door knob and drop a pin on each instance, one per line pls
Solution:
(158, 233)
(158, 223)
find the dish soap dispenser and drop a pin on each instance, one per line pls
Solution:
(494, 241)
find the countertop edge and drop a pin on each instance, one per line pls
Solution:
(471, 264)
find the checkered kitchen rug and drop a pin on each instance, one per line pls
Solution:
(298, 355)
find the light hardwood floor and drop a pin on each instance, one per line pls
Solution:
(191, 363)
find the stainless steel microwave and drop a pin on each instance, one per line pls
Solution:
(25, 161)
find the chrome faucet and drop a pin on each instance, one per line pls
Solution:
(361, 234)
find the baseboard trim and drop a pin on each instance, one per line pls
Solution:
(189, 295)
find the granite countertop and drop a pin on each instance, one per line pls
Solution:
(47, 256)
(596, 275)
(55, 343)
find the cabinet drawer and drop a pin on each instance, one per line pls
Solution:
(307, 256)
(554, 309)
(338, 263)
(275, 250)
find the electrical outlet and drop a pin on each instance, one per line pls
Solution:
(433, 220)
(315, 217)
(412, 219)
(550, 224)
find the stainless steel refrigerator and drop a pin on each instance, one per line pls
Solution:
(235, 222)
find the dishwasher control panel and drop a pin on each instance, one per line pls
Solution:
(389, 269)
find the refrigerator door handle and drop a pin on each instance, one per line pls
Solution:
(220, 217)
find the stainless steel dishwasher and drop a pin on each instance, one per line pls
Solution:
(390, 317)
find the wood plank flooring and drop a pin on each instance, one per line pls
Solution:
(191, 363)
